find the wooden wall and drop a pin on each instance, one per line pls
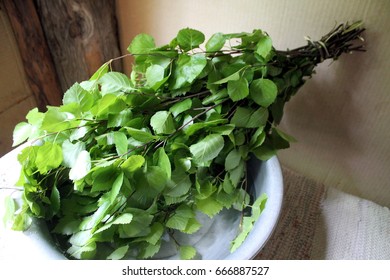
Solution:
(15, 95)
(45, 47)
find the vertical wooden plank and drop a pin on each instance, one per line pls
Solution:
(82, 35)
(15, 94)
(37, 61)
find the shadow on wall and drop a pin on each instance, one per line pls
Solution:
(326, 113)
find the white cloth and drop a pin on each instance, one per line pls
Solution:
(351, 228)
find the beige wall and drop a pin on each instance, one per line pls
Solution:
(15, 96)
(341, 116)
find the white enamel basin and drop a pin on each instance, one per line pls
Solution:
(212, 241)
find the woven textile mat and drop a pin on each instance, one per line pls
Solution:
(293, 236)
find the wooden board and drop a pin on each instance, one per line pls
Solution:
(37, 61)
(82, 35)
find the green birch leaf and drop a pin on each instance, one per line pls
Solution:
(136, 229)
(279, 139)
(182, 161)
(154, 75)
(115, 82)
(237, 89)
(86, 251)
(174, 200)
(119, 253)
(100, 72)
(108, 104)
(181, 216)
(67, 225)
(264, 47)
(241, 117)
(139, 226)
(106, 139)
(257, 138)
(222, 129)
(123, 219)
(89, 251)
(264, 152)
(81, 167)
(208, 148)
(71, 151)
(107, 235)
(55, 199)
(81, 238)
(106, 229)
(92, 87)
(22, 221)
(245, 117)
(178, 221)
(189, 38)
(216, 42)
(55, 121)
(227, 185)
(162, 58)
(284, 135)
(232, 159)
(259, 206)
(180, 107)
(187, 252)
(193, 128)
(161, 159)
(209, 206)
(104, 178)
(141, 44)
(204, 189)
(21, 133)
(236, 174)
(248, 222)
(162, 123)
(149, 250)
(188, 68)
(263, 92)
(90, 223)
(133, 163)
(49, 156)
(78, 133)
(238, 199)
(120, 119)
(116, 187)
(232, 77)
(156, 178)
(192, 226)
(179, 184)
(120, 141)
(247, 225)
(258, 118)
(76, 94)
(215, 97)
(35, 117)
(156, 232)
(140, 135)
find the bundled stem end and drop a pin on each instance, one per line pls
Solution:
(344, 38)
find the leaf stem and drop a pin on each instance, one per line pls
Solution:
(195, 117)
(178, 99)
